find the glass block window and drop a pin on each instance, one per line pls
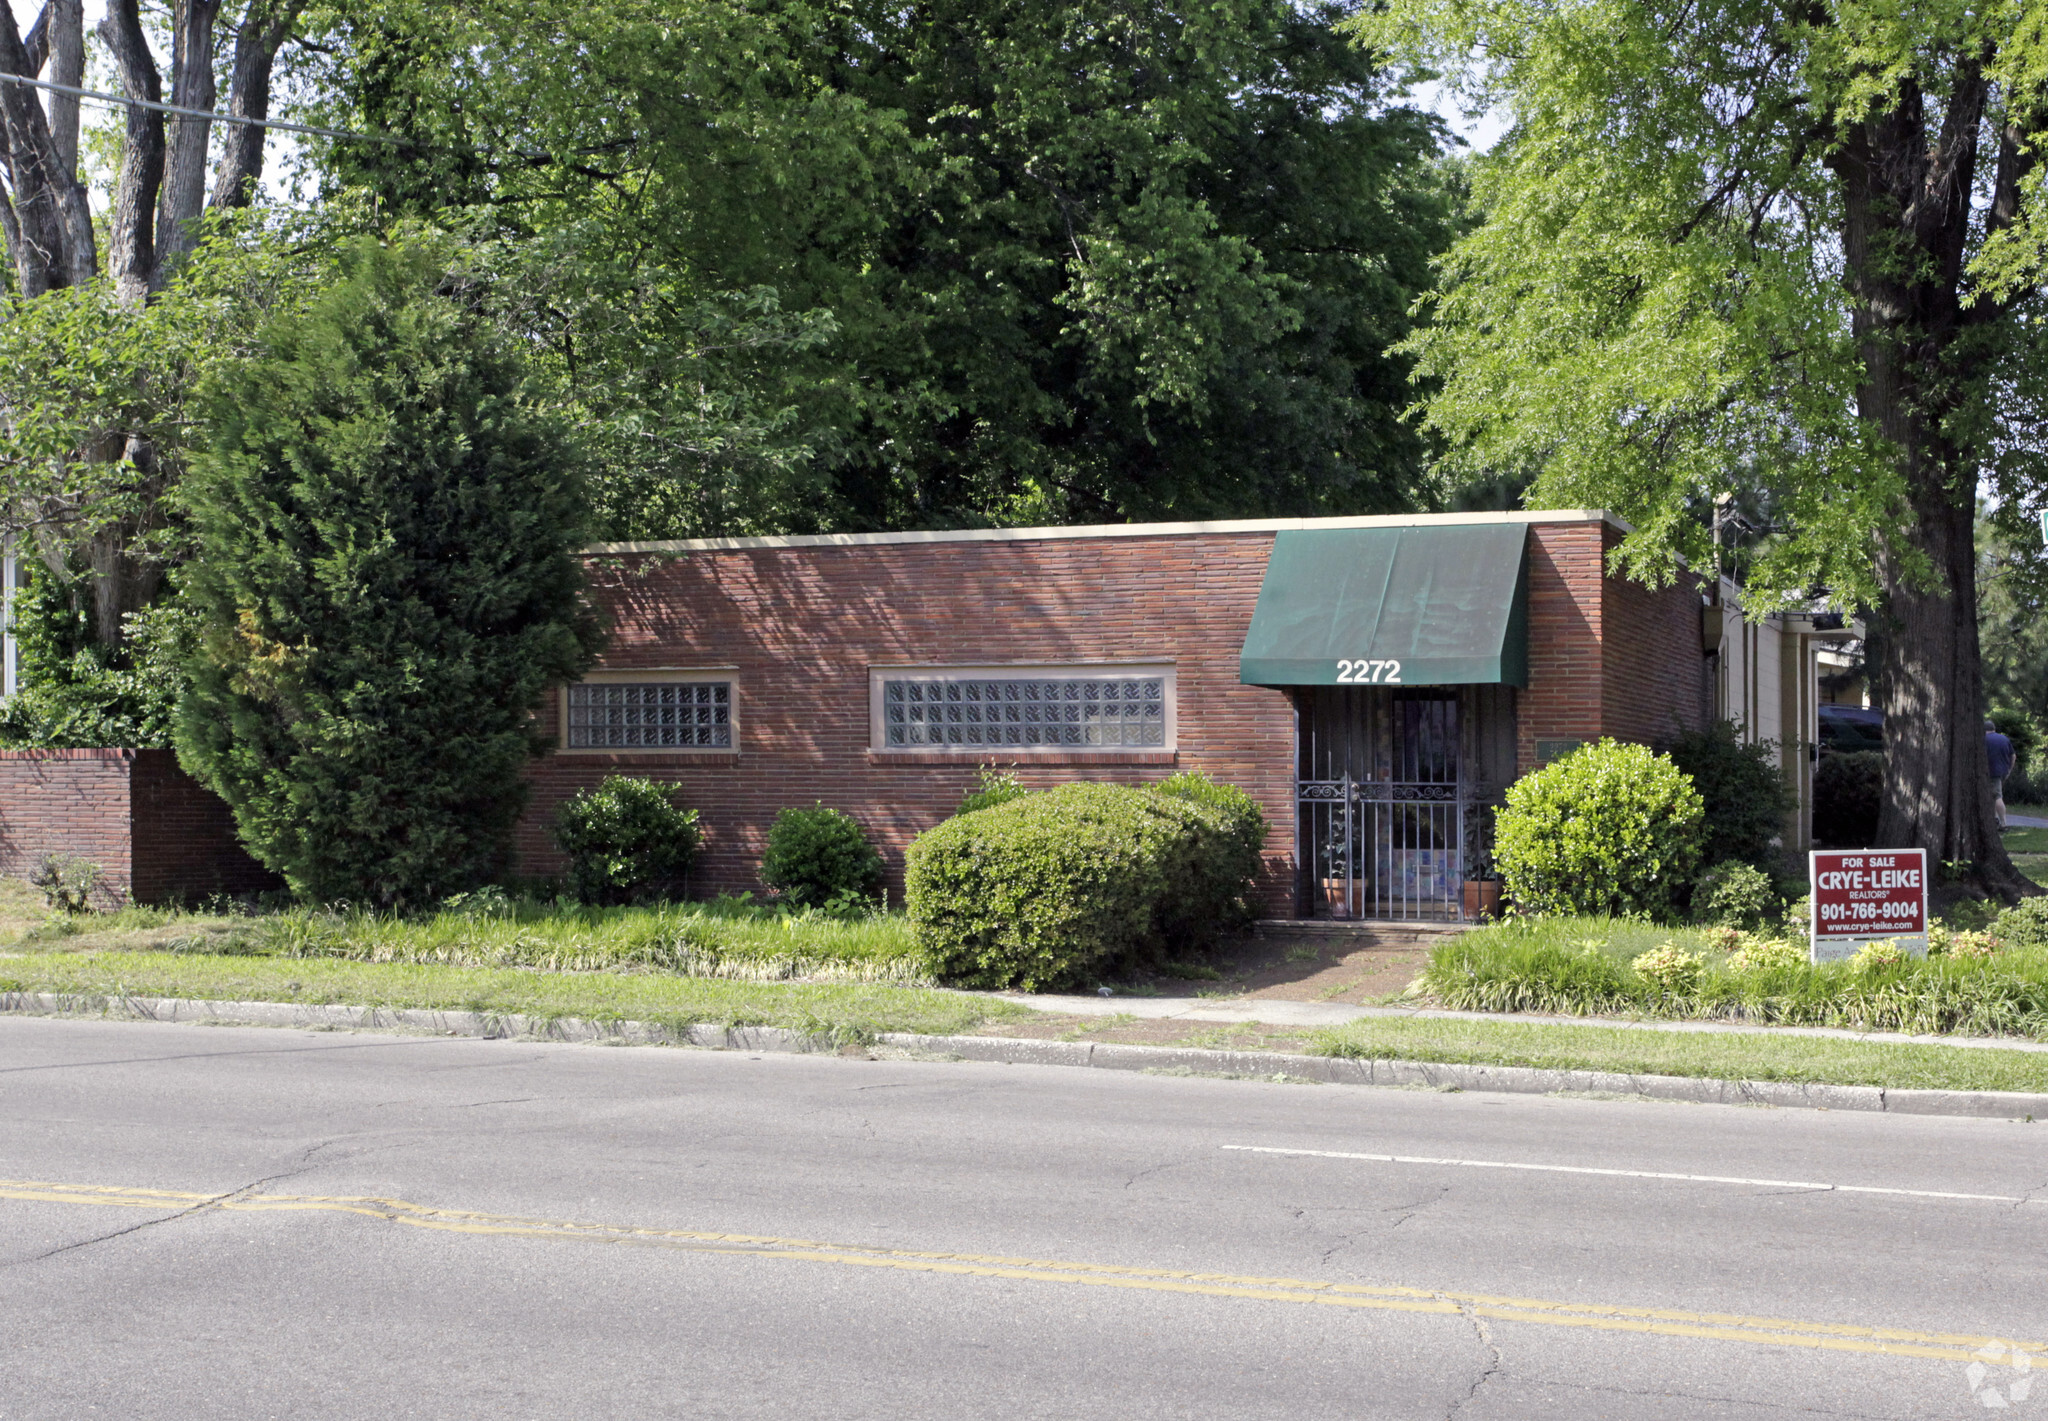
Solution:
(981, 713)
(650, 715)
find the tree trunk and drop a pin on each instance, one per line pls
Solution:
(257, 39)
(1905, 238)
(65, 37)
(131, 248)
(1938, 789)
(51, 232)
(184, 189)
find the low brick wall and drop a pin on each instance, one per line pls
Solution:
(156, 833)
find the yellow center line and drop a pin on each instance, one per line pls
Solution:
(1602, 1317)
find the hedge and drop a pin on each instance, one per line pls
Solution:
(1611, 828)
(1052, 889)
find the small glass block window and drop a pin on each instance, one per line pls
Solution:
(650, 715)
(983, 714)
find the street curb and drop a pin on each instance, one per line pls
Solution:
(1178, 1060)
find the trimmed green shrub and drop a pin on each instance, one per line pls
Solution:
(819, 856)
(1229, 860)
(1052, 889)
(1612, 828)
(1848, 791)
(991, 787)
(1735, 894)
(626, 841)
(1744, 796)
(386, 587)
(2024, 924)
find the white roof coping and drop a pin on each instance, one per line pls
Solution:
(1109, 530)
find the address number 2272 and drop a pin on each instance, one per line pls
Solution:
(1368, 673)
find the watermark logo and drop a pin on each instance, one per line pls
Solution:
(1987, 1385)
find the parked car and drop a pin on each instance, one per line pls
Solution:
(1850, 728)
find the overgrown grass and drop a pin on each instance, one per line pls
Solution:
(840, 1012)
(728, 939)
(1720, 1056)
(1581, 967)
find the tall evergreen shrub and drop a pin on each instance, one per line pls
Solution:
(385, 584)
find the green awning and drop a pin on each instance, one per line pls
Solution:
(1443, 605)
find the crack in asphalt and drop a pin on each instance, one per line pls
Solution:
(223, 1055)
(1494, 1361)
(1415, 1207)
(1143, 1173)
(305, 1163)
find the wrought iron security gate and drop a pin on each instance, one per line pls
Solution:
(1382, 803)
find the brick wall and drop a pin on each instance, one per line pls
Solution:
(1653, 668)
(1563, 700)
(1606, 656)
(67, 802)
(155, 832)
(802, 626)
(184, 837)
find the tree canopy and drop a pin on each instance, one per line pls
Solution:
(1029, 262)
(1784, 250)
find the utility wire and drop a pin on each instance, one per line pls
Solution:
(201, 113)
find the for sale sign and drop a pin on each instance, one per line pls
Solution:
(1868, 895)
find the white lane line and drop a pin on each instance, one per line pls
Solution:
(1639, 1174)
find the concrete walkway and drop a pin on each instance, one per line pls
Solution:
(1272, 1012)
(2024, 821)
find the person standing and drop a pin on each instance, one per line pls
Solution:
(1998, 758)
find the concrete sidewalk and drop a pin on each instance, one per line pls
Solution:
(1272, 1012)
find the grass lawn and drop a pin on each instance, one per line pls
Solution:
(844, 1013)
(1732, 1056)
(2028, 847)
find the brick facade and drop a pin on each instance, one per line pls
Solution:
(801, 626)
(157, 834)
(797, 624)
(1656, 680)
(1606, 656)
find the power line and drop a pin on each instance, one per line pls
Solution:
(122, 99)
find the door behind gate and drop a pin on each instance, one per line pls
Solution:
(1381, 802)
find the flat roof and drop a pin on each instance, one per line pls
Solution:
(1110, 530)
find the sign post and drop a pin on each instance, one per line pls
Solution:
(1862, 896)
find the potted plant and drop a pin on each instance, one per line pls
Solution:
(1482, 893)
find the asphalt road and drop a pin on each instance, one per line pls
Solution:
(200, 1222)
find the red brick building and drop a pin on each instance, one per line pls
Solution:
(1374, 682)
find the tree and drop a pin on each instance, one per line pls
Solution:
(385, 585)
(1787, 248)
(1082, 261)
(159, 203)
